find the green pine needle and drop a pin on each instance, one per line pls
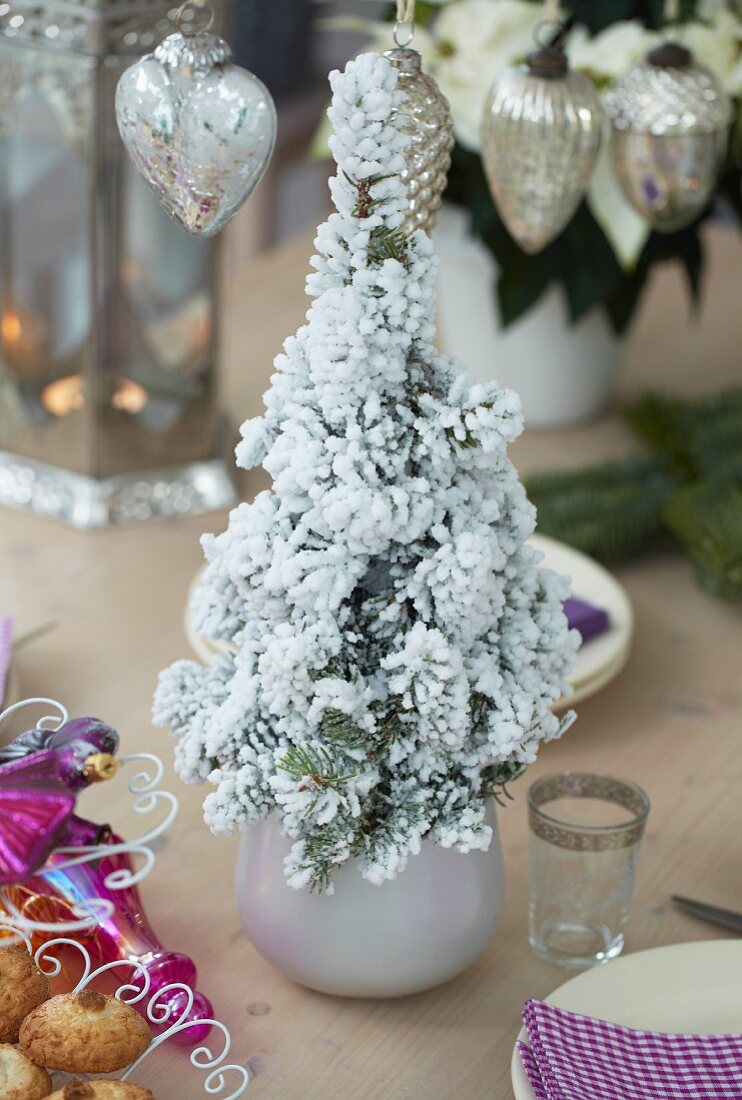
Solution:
(611, 511)
(316, 765)
(706, 517)
(691, 433)
(689, 489)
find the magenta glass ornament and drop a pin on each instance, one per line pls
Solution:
(77, 740)
(74, 741)
(34, 810)
(127, 934)
(40, 773)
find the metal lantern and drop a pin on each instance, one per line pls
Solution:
(107, 308)
(670, 118)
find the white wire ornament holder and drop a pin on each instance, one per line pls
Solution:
(220, 1076)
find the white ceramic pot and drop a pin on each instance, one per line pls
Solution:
(564, 373)
(410, 934)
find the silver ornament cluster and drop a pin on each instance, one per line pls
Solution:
(428, 123)
(540, 137)
(670, 119)
(198, 128)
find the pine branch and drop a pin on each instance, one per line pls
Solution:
(692, 433)
(314, 766)
(386, 244)
(324, 849)
(469, 440)
(610, 511)
(340, 730)
(391, 723)
(706, 517)
(496, 779)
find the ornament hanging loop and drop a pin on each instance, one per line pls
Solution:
(194, 17)
(404, 28)
(549, 60)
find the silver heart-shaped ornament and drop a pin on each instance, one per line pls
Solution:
(199, 129)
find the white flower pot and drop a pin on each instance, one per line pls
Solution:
(564, 373)
(410, 934)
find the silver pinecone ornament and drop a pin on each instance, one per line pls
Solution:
(540, 136)
(670, 119)
(428, 122)
(199, 129)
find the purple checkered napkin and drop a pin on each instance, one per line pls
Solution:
(573, 1057)
(6, 652)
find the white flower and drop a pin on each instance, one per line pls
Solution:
(475, 40)
(717, 46)
(608, 54)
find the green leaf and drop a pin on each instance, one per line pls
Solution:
(592, 272)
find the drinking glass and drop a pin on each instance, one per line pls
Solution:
(585, 835)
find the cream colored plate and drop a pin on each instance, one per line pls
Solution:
(603, 657)
(691, 988)
(598, 662)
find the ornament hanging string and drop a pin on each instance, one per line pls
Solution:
(551, 12)
(187, 18)
(404, 28)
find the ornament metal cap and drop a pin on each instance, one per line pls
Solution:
(100, 767)
(670, 55)
(549, 62)
(193, 51)
(405, 59)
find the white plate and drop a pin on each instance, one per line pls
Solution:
(690, 988)
(603, 657)
(598, 662)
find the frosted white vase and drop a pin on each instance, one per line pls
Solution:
(564, 373)
(410, 934)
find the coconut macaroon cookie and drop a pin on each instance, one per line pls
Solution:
(19, 1078)
(22, 988)
(84, 1033)
(101, 1090)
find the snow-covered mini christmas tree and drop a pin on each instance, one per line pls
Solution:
(394, 647)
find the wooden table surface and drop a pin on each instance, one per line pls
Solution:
(672, 721)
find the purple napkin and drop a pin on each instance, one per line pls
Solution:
(586, 617)
(6, 652)
(573, 1057)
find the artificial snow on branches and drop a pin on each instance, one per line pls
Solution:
(395, 647)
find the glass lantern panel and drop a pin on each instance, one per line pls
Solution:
(163, 334)
(45, 253)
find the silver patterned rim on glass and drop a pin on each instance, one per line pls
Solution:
(587, 838)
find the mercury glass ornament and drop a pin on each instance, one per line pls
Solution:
(540, 137)
(200, 129)
(670, 118)
(428, 122)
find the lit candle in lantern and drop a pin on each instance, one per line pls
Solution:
(67, 395)
(22, 337)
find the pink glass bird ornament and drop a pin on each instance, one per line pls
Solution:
(40, 775)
